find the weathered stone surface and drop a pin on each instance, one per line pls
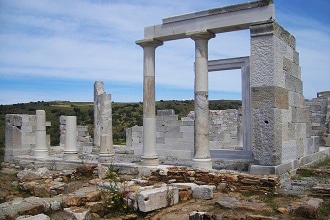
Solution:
(198, 215)
(96, 207)
(34, 217)
(259, 217)
(27, 206)
(203, 192)
(26, 175)
(79, 213)
(228, 202)
(307, 208)
(233, 203)
(270, 96)
(156, 198)
(321, 189)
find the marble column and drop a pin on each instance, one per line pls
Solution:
(106, 145)
(202, 158)
(71, 149)
(41, 149)
(149, 156)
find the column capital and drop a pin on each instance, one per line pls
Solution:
(149, 42)
(201, 35)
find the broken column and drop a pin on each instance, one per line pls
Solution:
(149, 156)
(202, 158)
(41, 150)
(71, 149)
(98, 90)
(106, 146)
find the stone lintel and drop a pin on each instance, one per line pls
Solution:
(227, 64)
(217, 11)
(271, 27)
(149, 42)
(230, 20)
(270, 96)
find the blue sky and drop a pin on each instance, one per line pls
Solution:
(56, 49)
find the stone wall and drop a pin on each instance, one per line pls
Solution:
(280, 120)
(175, 138)
(20, 137)
(320, 117)
(225, 181)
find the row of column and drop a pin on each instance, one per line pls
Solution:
(202, 158)
(71, 148)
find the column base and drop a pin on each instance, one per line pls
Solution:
(41, 154)
(70, 155)
(106, 158)
(202, 163)
(149, 161)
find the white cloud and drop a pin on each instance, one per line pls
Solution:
(95, 40)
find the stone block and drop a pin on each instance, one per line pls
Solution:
(187, 129)
(287, 65)
(272, 28)
(296, 99)
(293, 84)
(156, 198)
(160, 140)
(165, 112)
(300, 147)
(267, 136)
(78, 213)
(203, 192)
(261, 61)
(270, 97)
(308, 146)
(289, 151)
(34, 217)
(296, 71)
(295, 57)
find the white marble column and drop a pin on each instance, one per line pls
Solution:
(202, 158)
(71, 149)
(41, 149)
(149, 157)
(106, 145)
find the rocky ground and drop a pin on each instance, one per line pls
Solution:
(80, 194)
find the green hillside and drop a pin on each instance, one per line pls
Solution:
(124, 114)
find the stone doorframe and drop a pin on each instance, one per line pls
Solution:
(201, 27)
(243, 64)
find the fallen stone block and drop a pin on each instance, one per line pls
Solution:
(79, 213)
(259, 217)
(203, 192)
(28, 175)
(198, 216)
(307, 208)
(321, 189)
(156, 198)
(28, 206)
(233, 203)
(34, 217)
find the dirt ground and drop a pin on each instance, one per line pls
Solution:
(267, 205)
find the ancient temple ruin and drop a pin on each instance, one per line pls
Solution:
(275, 131)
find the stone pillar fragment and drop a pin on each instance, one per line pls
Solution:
(98, 90)
(71, 149)
(106, 145)
(202, 158)
(149, 157)
(41, 150)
